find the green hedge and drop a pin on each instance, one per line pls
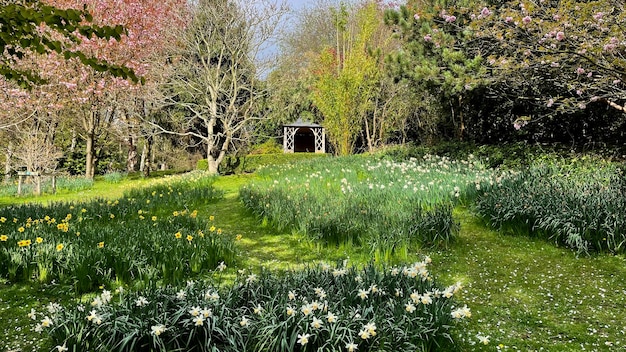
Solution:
(250, 163)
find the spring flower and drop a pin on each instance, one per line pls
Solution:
(61, 348)
(3, 219)
(212, 229)
(483, 339)
(206, 312)
(101, 244)
(317, 323)
(4, 238)
(409, 307)
(23, 243)
(527, 20)
(154, 218)
(158, 329)
(351, 346)
(92, 316)
(508, 19)
(461, 313)
(198, 320)
(485, 12)
(38, 240)
(178, 235)
(364, 334)
(251, 278)
(32, 315)
(363, 294)
(211, 218)
(426, 300)
(238, 237)
(219, 231)
(244, 321)
(339, 272)
(427, 38)
(303, 339)
(258, 309)
(371, 328)
(21, 229)
(290, 311)
(181, 295)
(195, 311)
(291, 295)
(320, 292)
(331, 317)
(560, 36)
(189, 238)
(306, 309)
(221, 266)
(59, 247)
(580, 70)
(141, 301)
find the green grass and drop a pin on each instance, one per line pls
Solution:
(524, 293)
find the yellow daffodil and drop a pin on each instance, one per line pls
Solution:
(24, 243)
(101, 244)
(4, 238)
(189, 238)
(60, 247)
(21, 229)
(178, 235)
(39, 240)
(211, 218)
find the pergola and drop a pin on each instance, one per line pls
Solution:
(302, 136)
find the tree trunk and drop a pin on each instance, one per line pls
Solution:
(90, 157)
(146, 156)
(131, 161)
(7, 163)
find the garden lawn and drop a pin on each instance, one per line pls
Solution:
(525, 294)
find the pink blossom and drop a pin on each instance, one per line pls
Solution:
(582, 106)
(590, 74)
(527, 20)
(598, 16)
(555, 64)
(427, 38)
(509, 19)
(416, 16)
(560, 36)
(485, 12)
(617, 81)
(595, 98)
(608, 47)
(449, 19)
(579, 92)
(614, 40)
(550, 102)
(556, 17)
(580, 70)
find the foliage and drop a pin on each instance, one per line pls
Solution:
(321, 308)
(63, 183)
(149, 235)
(22, 35)
(384, 205)
(579, 204)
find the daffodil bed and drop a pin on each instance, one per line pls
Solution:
(322, 308)
(127, 240)
(383, 204)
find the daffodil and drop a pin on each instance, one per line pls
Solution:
(244, 321)
(189, 238)
(61, 348)
(290, 311)
(32, 315)
(409, 307)
(60, 247)
(157, 330)
(141, 301)
(221, 266)
(199, 320)
(331, 317)
(20, 229)
(38, 240)
(351, 346)
(303, 339)
(101, 244)
(363, 294)
(178, 235)
(4, 238)
(258, 309)
(317, 323)
(195, 311)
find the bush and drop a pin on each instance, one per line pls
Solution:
(319, 309)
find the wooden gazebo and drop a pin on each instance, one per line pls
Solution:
(303, 137)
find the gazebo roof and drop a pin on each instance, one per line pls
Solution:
(300, 123)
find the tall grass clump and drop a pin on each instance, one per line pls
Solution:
(384, 204)
(152, 235)
(322, 308)
(579, 204)
(63, 183)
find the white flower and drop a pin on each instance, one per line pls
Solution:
(291, 295)
(195, 311)
(351, 346)
(32, 314)
(198, 320)
(339, 272)
(290, 311)
(316, 324)
(331, 317)
(206, 312)
(221, 266)
(97, 302)
(211, 295)
(141, 301)
(181, 295)
(320, 292)
(303, 339)
(53, 308)
(371, 328)
(409, 307)
(61, 348)
(106, 296)
(158, 329)
(364, 334)
(244, 321)
(46, 322)
(363, 294)
(258, 309)
(483, 339)
(306, 309)
(426, 299)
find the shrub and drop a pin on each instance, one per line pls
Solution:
(319, 309)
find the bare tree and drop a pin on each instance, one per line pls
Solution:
(215, 83)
